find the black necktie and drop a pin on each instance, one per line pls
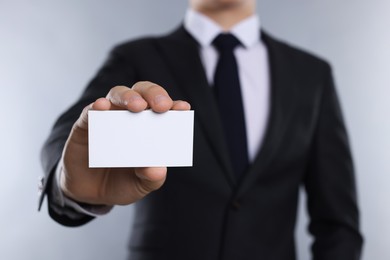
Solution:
(228, 94)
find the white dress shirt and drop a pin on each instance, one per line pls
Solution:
(253, 72)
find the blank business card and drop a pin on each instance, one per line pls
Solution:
(147, 139)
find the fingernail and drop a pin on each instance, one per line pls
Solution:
(160, 98)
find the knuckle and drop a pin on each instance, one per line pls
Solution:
(144, 187)
(113, 89)
(117, 87)
(146, 86)
(138, 85)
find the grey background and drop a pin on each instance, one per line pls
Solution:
(50, 49)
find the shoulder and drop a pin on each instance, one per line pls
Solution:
(144, 51)
(151, 46)
(135, 47)
(298, 58)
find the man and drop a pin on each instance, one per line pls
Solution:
(291, 122)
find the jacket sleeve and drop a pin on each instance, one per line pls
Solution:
(116, 71)
(330, 184)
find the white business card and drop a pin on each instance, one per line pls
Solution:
(120, 138)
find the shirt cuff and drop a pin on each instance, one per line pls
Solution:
(73, 209)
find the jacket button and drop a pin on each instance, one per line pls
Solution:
(236, 204)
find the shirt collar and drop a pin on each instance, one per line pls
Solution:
(204, 30)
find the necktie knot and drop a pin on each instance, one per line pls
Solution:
(226, 42)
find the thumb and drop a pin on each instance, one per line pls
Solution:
(150, 178)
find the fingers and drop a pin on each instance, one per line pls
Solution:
(181, 105)
(142, 95)
(122, 97)
(102, 104)
(156, 96)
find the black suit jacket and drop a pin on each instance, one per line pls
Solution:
(202, 212)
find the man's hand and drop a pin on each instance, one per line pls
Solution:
(111, 186)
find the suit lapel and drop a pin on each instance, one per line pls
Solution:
(181, 52)
(282, 106)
